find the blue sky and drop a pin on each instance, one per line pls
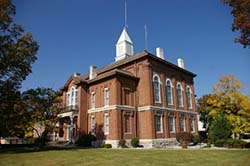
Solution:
(76, 34)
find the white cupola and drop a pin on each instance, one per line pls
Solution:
(124, 46)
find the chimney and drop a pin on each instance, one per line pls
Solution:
(160, 52)
(76, 74)
(92, 72)
(180, 63)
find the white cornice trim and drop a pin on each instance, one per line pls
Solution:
(70, 114)
(112, 107)
(155, 108)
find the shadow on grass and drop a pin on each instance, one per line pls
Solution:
(34, 149)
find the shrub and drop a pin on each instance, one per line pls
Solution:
(195, 139)
(220, 142)
(247, 145)
(184, 137)
(105, 146)
(135, 142)
(122, 143)
(85, 140)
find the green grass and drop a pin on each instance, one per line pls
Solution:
(123, 157)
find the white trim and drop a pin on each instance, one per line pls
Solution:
(159, 81)
(71, 113)
(112, 107)
(155, 108)
(171, 85)
(106, 124)
(179, 104)
(191, 101)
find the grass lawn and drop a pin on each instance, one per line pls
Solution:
(122, 157)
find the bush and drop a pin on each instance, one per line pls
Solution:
(105, 146)
(195, 139)
(122, 143)
(135, 142)
(247, 145)
(220, 142)
(230, 143)
(85, 140)
(184, 137)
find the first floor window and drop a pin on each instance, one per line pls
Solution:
(158, 123)
(106, 123)
(182, 124)
(92, 124)
(127, 126)
(171, 124)
(192, 125)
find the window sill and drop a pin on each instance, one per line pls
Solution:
(159, 132)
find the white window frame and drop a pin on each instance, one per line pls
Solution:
(172, 117)
(171, 91)
(106, 96)
(181, 99)
(183, 122)
(106, 123)
(93, 98)
(154, 88)
(189, 97)
(72, 97)
(92, 126)
(192, 128)
(156, 123)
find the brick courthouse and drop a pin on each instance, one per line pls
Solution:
(139, 95)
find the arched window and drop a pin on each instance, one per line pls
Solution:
(189, 98)
(169, 92)
(156, 82)
(179, 95)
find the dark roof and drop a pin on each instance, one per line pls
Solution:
(136, 57)
(112, 69)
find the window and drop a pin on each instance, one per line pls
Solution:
(171, 124)
(106, 123)
(106, 97)
(72, 97)
(192, 125)
(92, 124)
(156, 83)
(158, 120)
(93, 100)
(127, 127)
(179, 95)
(189, 99)
(182, 124)
(169, 92)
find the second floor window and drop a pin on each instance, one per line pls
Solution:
(156, 84)
(179, 95)
(106, 97)
(169, 92)
(92, 100)
(72, 97)
(189, 98)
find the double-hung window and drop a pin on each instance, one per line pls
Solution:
(157, 93)
(169, 92)
(158, 120)
(179, 95)
(106, 97)
(171, 124)
(106, 123)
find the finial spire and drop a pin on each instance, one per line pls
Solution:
(125, 15)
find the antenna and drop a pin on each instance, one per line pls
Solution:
(125, 15)
(146, 37)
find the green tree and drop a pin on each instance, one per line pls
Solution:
(226, 98)
(43, 105)
(241, 13)
(17, 53)
(220, 128)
